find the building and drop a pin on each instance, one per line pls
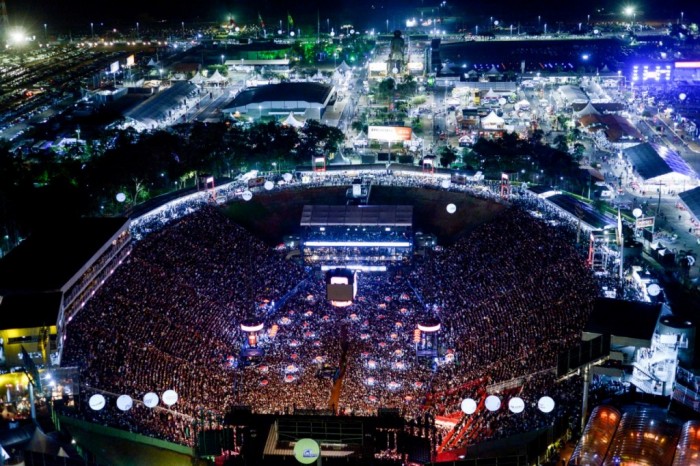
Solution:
(48, 278)
(156, 110)
(308, 99)
(655, 165)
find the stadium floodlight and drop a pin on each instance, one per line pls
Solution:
(17, 36)
(359, 244)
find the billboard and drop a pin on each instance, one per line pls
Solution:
(378, 67)
(130, 60)
(644, 222)
(389, 133)
(114, 67)
(415, 66)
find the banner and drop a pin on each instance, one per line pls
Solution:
(114, 67)
(389, 133)
(645, 222)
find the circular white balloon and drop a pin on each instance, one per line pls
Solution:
(468, 406)
(682, 96)
(287, 177)
(269, 185)
(169, 397)
(445, 184)
(121, 197)
(653, 289)
(247, 195)
(150, 400)
(516, 405)
(546, 404)
(124, 402)
(637, 212)
(97, 402)
(493, 403)
(502, 101)
(451, 208)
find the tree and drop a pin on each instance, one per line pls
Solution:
(448, 156)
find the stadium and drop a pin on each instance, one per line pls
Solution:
(259, 355)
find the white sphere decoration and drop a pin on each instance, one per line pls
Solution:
(247, 195)
(516, 405)
(150, 400)
(445, 184)
(493, 403)
(451, 208)
(637, 212)
(682, 96)
(546, 404)
(269, 185)
(124, 402)
(121, 197)
(97, 402)
(468, 406)
(169, 397)
(287, 177)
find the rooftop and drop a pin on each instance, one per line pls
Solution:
(48, 259)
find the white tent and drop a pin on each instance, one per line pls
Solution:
(492, 121)
(216, 78)
(151, 62)
(493, 72)
(343, 67)
(197, 79)
(291, 121)
(491, 95)
(589, 109)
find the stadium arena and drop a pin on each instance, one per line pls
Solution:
(244, 332)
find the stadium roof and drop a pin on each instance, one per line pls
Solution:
(618, 317)
(362, 215)
(29, 310)
(48, 259)
(305, 92)
(157, 107)
(653, 160)
(691, 199)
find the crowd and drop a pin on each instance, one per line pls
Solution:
(510, 295)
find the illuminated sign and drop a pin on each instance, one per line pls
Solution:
(306, 451)
(687, 64)
(644, 222)
(376, 66)
(651, 73)
(251, 328)
(389, 133)
(114, 67)
(130, 60)
(415, 66)
(359, 244)
(428, 328)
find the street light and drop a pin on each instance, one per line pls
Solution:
(222, 59)
(681, 18)
(92, 30)
(45, 33)
(137, 30)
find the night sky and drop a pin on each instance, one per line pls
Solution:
(363, 13)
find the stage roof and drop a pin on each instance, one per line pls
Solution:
(357, 215)
(48, 259)
(586, 212)
(157, 107)
(618, 317)
(691, 199)
(653, 160)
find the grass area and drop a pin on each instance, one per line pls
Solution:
(270, 216)
(114, 451)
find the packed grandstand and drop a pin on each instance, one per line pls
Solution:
(509, 294)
